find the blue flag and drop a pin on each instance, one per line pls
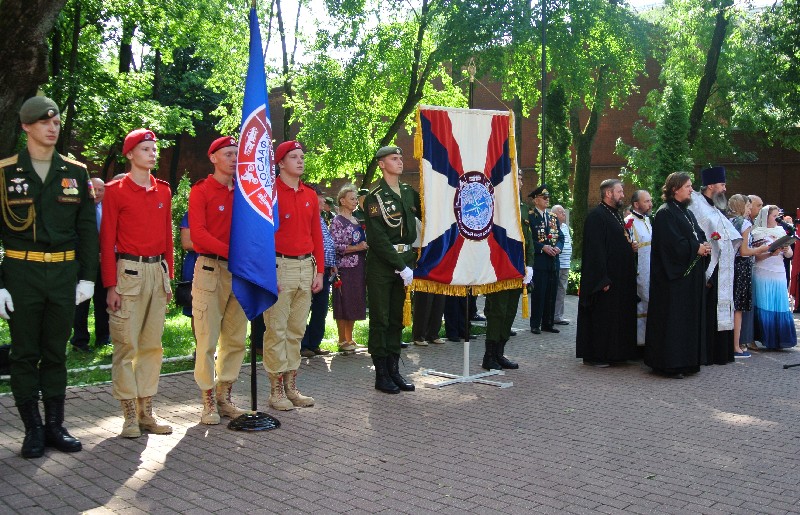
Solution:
(253, 226)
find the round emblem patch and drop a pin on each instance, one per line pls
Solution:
(474, 205)
(255, 179)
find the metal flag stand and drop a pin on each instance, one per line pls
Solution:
(466, 377)
(257, 420)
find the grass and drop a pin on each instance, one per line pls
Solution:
(178, 341)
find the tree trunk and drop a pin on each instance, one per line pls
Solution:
(709, 72)
(126, 46)
(518, 127)
(173, 163)
(25, 26)
(69, 118)
(583, 140)
(157, 76)
(416, 84)
(287, 82)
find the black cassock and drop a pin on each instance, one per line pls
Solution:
(606, 320)
(675, 314)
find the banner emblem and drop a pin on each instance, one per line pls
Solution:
(474, 205)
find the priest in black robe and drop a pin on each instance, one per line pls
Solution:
(674, 332)
(606, 330)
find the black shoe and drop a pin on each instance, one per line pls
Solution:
(503, 361)
(562, 322)
(489, 357)
(382, 380)
(478, 318)
(456, 340)
(102, 343)
(54, 433)
(393, 367)
(596, 364)
(33, 444)
(81, 347)
(513, 333)
(550, 329)
(536, 330)
(404, 345)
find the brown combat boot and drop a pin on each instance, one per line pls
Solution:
(210, 415)
(225, 405)
(292, 393)
(277, 395)
(130, 426)
(147, 421)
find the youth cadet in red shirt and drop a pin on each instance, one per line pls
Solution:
(136, 262)
(300, 264)
(218, 317)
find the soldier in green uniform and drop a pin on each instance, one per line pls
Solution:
(358, 214)
(49, 234)
(501, 307)
(391, 209)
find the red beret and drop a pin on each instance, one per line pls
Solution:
(286, 147)
(135, 137)
(225, 141)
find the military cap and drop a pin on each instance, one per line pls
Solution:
(541, 190)
(135, 137)
(330, 202)
(286, 147)
(386, 151)
(37, 108)
(225, 141)
(713, 175)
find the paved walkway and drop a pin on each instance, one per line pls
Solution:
(564, 439)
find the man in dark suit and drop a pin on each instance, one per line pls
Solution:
(548, 242)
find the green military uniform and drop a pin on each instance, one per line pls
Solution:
(391, 229)
(501, 307)
(49, 232)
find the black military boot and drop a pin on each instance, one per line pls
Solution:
(54, 433)
(33, 444)
(489, 357)
(393, 365)
(383, 382)
(502, 360)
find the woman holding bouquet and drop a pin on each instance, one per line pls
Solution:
(677, 280)
(349, 290)
(773, 320)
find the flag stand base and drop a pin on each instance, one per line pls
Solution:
(466, 377)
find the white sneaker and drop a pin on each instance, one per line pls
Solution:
(421, 343)
(439, 341)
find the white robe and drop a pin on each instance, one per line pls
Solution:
(723, 252)
(643, 234)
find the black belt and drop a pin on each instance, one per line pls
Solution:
(140, 259)
(302, 256)
(214, 256)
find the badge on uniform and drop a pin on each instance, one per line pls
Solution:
(70, 186)
(222, 208)
(92, 194)
(373, 210)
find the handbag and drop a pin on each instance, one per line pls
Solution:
(183, 294)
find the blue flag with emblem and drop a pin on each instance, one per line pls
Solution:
(254, 220)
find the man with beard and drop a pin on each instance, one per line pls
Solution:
(675, 324)
(607, 304)
(641, 231)
(709, 208)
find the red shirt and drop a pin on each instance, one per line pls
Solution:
(136, 221)
(299, 231)
(210, 208)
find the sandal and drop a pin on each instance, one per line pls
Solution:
(346, 346)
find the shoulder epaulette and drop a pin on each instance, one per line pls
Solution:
(9, 161)
(375, 189)
(165, 183)
(72, 161)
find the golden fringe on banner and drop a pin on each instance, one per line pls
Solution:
(525, 309)
(407, 308)
(453, 290)
(418, 141)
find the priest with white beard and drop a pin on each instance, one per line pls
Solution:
(709, 208)
(641, 229)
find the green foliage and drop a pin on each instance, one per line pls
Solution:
(574, 281)
(557, 146)
(180, 206)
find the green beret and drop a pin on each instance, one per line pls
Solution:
(385, 151)
(37, 108)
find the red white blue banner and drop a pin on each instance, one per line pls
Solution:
(471, 237)
(253, 224)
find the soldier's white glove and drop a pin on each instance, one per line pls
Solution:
(407, 275)
(84, 291)
(6, 305)
(528, 275)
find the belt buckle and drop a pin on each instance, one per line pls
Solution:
(48, 257)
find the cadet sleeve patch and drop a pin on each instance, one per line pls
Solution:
(373, 210)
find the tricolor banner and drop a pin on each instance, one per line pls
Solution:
(253, 224)
(471, 233)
